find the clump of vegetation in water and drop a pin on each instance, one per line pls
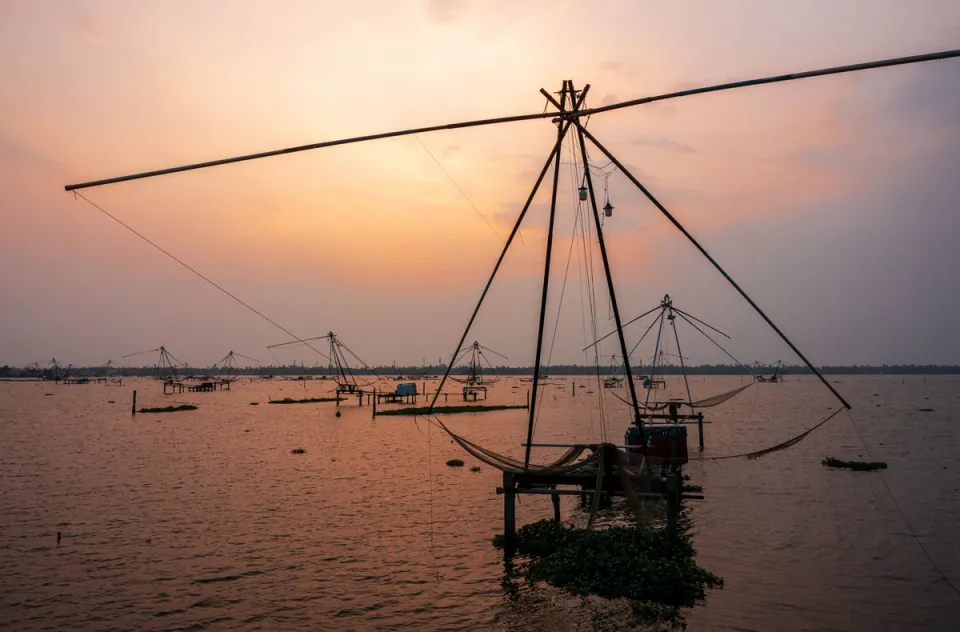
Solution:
(298, 451)
(169, 409)
(446, 410)
(693, 489)
(309, 400)
(455, 463)
(475, 468)
(254, 403)
(859, 466)
(655, 573)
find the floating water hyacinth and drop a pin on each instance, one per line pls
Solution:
(859, 466)
(169, 409)
(656, 573)
(447, 410)
(309, 400)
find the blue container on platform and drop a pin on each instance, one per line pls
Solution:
(407, 388)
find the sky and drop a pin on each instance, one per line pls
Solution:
(832, 201)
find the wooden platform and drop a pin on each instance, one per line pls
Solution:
(660, 484)
(209, 387)
(472, 393)
(395, 398)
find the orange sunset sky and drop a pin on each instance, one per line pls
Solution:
(834, 201)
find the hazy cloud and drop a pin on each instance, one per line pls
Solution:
(662, 142)
(446, 10)
(15, 156)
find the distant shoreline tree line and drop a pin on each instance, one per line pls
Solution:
(422, 371)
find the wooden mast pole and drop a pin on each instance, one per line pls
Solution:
(567, 85)
(526, 117)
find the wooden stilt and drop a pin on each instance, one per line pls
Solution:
(555, 498)
(700, 428)
(133, 410)
(509, 514)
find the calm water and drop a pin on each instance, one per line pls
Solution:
(204, 520)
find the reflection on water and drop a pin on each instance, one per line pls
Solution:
(205, 520)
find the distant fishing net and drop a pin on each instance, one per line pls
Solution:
(709, 402)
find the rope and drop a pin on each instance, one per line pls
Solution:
(729, 355)
(586, 235)
(556, 324)
(191, 269)
(465, 196)
(583, 329)
(903, 515)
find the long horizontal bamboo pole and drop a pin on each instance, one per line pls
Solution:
(898, 61)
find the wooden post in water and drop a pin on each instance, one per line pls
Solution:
(374, 404)
(133, 409)
(509, 514)
(573, 389)
(700, 428)
(555, 498)
(528, 398)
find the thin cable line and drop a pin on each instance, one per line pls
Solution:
(191, 269)
(903, 515)
(465, 196)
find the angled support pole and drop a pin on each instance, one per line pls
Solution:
(503, 253)
(561, 132)
(706, 254)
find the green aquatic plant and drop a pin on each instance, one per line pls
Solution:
(859, 466)
(254, 404)
(447, 410)
(475, 468)
(657, 574)
(693, 489)
(298, 451)
(455, 463)
(168, 409)
(309, 400)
